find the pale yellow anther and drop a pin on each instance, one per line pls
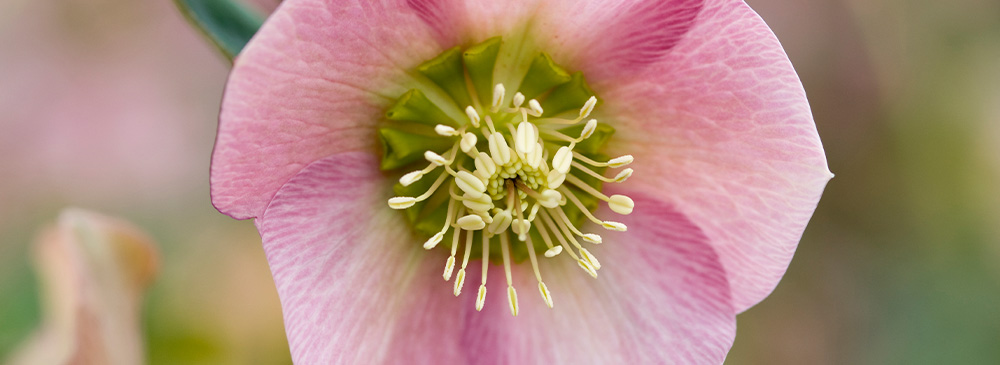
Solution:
(592, 238)
(518, 99)
(588, 130)
(498, 94)
(500, 222)
(473, 116)
(470, 184)
(485, 165)
(468, 142)
(512, 298)
(459, 281)
(471, 222)
(411, 177)
(535, 158)
(481, 297)
(481, 203)
(623, 175)
(550, 198)
(555, 179)
(499, 149)
(586, 266)
(449, 266)
(620, 161)
(621, 204)
(445, 130)
(614, 226)
(521, 227)
(590, 258)
(554, 251)
(402, 202)
(526, 139)
(544, 290)
(535, 107)
(433, 241)
(435, 158)
(562, 160)
(588, 107)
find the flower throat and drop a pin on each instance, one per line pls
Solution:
(519, 170)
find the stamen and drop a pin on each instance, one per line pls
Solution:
(587, 108)
(624, 174)
(498, 94)
(589, 237)
(460, 279)
(470, 184)
(588, 130)
(518, 100)
(590, 258)
(553, 250)
(473, 115)
(562, 240)
(562, 160)
(481, 296)
(616, 162)
(511, 293)
(499, 150)
(445, 130)
(621, 204)
(535, 107)
(546, 296)
(468, 143)
(583, 208)
(449, 266)
(435, 158)
(527, 138)
(471, 222)
(411, 177)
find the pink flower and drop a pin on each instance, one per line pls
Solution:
(728, 170)
(94, 272)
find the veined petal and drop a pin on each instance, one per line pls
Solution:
(312, 83)
(355, 285)
(721, 127)
(662, 296)
(609, 38)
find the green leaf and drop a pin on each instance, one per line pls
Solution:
(228, 24)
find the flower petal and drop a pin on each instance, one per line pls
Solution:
(721, 127)
(312, 83)
(661, 296)
(608, 38)
(355, 285)
(94, 271)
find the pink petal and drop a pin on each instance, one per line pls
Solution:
(355, 285)
(661, 296)
(721, 128)
(312, 83)
(609, 38)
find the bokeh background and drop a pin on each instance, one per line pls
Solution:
(111, 105)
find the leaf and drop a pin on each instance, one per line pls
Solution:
(228, 24)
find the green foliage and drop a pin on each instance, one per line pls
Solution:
(228, 24)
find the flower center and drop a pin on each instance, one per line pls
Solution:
(502, 169)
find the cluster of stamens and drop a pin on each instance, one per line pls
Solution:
(518, 185)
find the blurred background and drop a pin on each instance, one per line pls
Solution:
(111, 105)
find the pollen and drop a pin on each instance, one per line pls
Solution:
(513, 172)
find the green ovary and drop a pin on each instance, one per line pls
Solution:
(514, 176)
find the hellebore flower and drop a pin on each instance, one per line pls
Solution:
(477, 119)
(94, 271)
